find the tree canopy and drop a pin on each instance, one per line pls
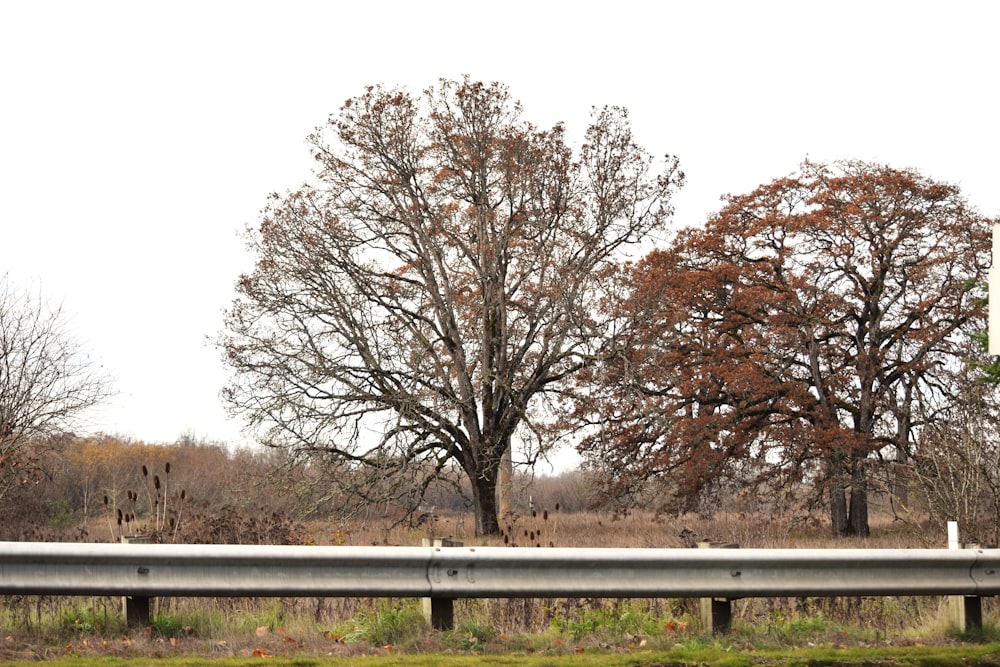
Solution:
(411, 307)
(793, 337)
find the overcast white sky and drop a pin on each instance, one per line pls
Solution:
(137, 139)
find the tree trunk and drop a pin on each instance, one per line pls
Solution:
(858, 518)
(850, 519)
(838, 510)
(506, 485)
(484, 502)
(858, 521)
(900, 481)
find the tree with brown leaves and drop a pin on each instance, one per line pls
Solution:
(410, 310)
(791, 338)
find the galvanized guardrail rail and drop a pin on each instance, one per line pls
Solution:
(445, 574)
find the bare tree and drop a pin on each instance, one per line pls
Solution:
(47, 381)
(412, 308)
(956, 463)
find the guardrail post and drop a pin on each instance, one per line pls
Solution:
(717, 613)
(136, 606)
(966, 610)
(440, 612)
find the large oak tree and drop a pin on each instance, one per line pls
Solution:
(790, 338)
(410, 308)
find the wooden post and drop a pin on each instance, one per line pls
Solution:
(966, 610)
(717, 613)
(969, 612)
(136, 606)
(439, 612)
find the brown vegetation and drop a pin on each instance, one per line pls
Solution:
(810, 331)
(207, 493)
(204, 492)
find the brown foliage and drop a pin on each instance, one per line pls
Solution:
(792, 336)
(104, 487)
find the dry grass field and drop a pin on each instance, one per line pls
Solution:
(220, 496)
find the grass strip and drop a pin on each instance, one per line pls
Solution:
(982, 655)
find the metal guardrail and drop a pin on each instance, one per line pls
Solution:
(488, 572)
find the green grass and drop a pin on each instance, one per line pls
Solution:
(985, 655)
(83, 618)
(386, 625)
(393, 632)
(615, 621)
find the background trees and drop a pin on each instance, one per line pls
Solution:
(956, 463)
(409, 309)
(47, 381)
(793, 337)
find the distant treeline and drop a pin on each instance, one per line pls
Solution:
(102, 487)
